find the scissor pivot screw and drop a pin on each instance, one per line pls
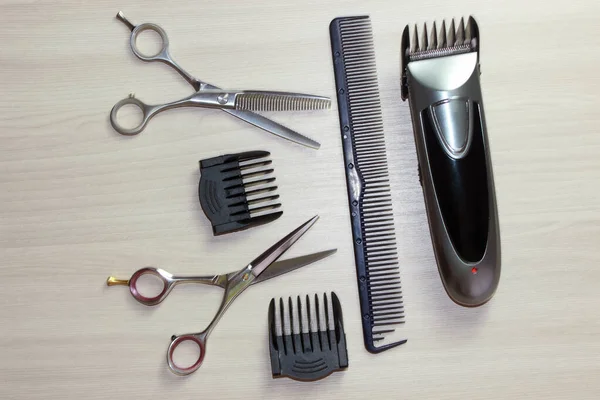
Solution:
(223, 98)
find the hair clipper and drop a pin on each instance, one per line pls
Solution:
(440, 79)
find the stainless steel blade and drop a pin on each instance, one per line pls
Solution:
(273, 127)
(266, 124)
(291, 264)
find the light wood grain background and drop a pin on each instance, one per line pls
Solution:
(79, 202)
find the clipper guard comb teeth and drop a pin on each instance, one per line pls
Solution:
(302, 349)
(236, 191)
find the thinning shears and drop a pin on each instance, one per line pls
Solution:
(262, 268)
(240, 104)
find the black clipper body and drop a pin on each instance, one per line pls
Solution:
(440, 78)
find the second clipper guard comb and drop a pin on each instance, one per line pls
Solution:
(307, 351)
(236, 191)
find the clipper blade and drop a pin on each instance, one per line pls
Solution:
(442, 42)
(447, 40)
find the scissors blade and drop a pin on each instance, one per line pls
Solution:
(267, 258)
(273, 127)
(265, 123)
(291, 264)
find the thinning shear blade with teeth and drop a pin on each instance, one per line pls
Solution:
(240, 104)
(234, 283)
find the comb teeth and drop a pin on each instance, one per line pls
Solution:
(296, 318)
(280, 101)
(365, 154)
(454, 40)
(258, 188)
(306, 321)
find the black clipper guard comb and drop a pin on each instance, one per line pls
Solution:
(307, 354)
(231, 197)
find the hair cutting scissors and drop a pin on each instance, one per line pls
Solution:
(240, 104)
(262, 268)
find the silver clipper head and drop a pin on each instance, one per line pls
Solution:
(442, 42)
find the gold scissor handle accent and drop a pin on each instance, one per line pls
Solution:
(112, 281)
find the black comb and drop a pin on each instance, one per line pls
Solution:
(369, 194)
(307, 353)
(236, 191)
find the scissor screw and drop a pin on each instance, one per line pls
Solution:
(222, 98)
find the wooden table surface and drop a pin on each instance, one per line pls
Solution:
(78, 202)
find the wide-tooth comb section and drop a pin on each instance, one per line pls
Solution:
(280, 101)
(366, 162)
(457, 39)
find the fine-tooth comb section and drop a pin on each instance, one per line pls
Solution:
(236, 191)
(279, 101)
(441, 42)
(369, 194)
(307, 340)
